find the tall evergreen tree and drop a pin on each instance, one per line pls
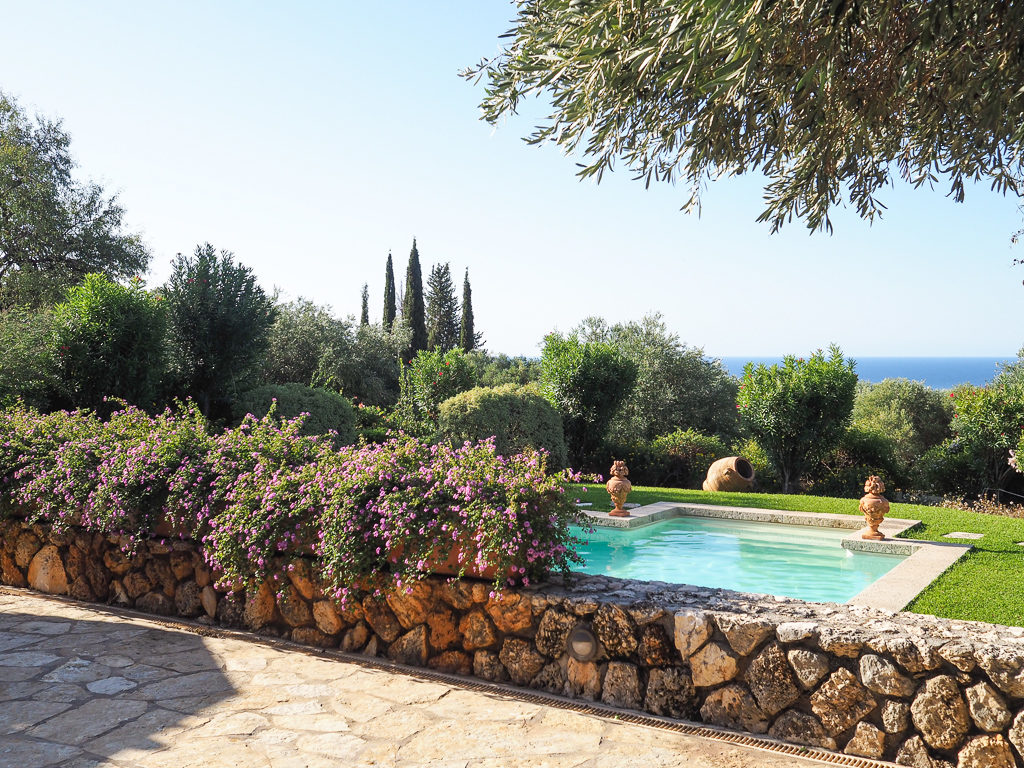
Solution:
(390, 306)
(364, 318)
(469, 339)
(442, 310)
(413, 309)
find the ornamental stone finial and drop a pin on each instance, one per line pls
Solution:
(874, 506)
(618, 488)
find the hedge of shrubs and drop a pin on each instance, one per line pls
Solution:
(325, 412)
(517, 417)
(262, 494)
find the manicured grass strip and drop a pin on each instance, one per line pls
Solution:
(986, 585)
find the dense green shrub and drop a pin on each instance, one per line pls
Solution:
(432, 377)
(988, 422)
(325, 411)
(375, 365)
(495, 370)
(676, 386)
(516, 417)
(799, 410)
(766, 476)
(308, 345)
(681, 458)
(951, 467)
(108, 340)
(911, 415)
(860, 453)
(219, 326)
(26, 361)
(586, 382)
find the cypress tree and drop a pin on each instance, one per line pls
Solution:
(413, 309)
(364, 318)
(469, 339)
(390, 306)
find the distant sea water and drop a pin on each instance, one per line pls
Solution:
(935, 372)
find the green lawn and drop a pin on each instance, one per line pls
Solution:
(986, 585)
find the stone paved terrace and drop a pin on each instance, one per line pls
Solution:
(83, 686)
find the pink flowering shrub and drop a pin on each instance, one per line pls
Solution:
(260, 495)
(256, 511)
(404, 505)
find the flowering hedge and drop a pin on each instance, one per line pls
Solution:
(261, 495)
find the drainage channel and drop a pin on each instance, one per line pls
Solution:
(472, 684)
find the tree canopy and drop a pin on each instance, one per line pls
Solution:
(53, 229)
(829, 99)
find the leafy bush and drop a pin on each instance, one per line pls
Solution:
(586, 382)
(432, 377)
(516, 417)
(799, 410)
(376, 372)
(326, 411)
(26, 365)
(765, 474)
(988, 422)
(108, 340)
(676, 386)
(495, 370)
(681, 458)
(951, 467)
(308, 345)
(911, 415)
(860, 453)
(219, 326)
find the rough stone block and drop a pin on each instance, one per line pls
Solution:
(692, 629)
(940, 714)
(734, 707)
(712, 665)
(46, 572)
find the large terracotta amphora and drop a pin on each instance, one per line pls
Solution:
(733, 473)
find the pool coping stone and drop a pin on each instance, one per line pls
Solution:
(924, 560)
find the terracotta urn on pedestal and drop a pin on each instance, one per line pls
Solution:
(618, 488)
(874, 506)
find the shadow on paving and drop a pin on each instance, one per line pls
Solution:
(76, 689)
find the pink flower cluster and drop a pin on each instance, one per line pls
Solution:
(259, 495)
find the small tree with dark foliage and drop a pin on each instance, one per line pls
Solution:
(219, 326)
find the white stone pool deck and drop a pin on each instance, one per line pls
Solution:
(83, 686)
(925, 561)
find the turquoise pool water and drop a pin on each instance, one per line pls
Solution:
(805, 562)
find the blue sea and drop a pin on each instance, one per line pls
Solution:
(935, 372)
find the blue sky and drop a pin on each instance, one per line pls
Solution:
(311, 139)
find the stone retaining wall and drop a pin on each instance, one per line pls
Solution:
(923, 691)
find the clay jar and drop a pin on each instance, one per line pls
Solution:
(733, 473)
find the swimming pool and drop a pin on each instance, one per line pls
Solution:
(805, 562)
